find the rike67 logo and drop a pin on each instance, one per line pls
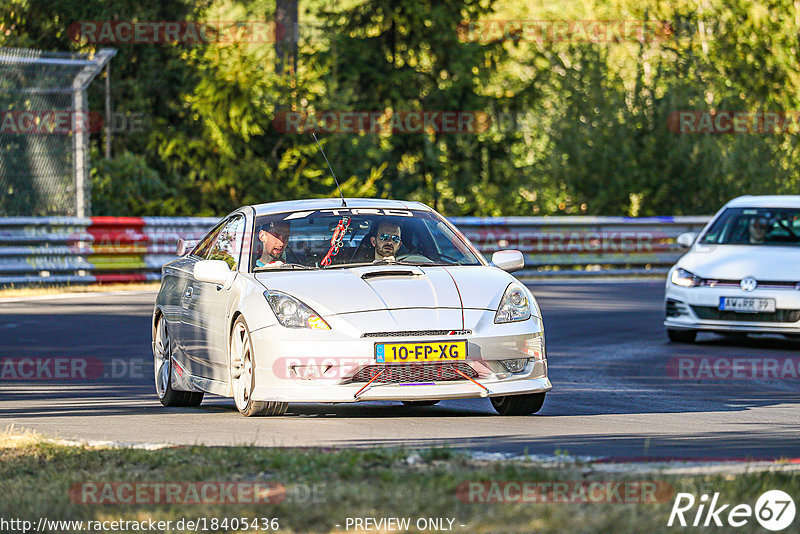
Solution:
(774, 510)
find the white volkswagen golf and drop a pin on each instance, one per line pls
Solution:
(741, 275)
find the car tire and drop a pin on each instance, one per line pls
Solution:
(518, 404)
(162, 371)
(421, 403)
(243, 376)
(682, 336)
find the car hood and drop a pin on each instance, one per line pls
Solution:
(734, 262)
(396, 287)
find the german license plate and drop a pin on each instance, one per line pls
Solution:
(420, 352)
(747, 305)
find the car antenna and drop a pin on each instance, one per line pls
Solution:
(344, 204)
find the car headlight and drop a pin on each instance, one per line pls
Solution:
(683, 278)
(514, 306)
(292, 313)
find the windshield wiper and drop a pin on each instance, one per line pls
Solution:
(343, 265)
(279, 267)
(429, 263)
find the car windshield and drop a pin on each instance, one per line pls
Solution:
(302, 240)
(755, 226)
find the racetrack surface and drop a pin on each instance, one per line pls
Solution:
(612, 393)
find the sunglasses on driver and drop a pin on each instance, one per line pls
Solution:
(387, 237)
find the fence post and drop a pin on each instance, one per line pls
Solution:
(82, 127)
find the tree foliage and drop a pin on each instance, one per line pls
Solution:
(578, 127)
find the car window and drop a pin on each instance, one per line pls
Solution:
(755, 226)
(201, 250)
(447, 243)
(227, 245)
(303, 239)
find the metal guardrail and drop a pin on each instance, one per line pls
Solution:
(61, 250)
(584, 246)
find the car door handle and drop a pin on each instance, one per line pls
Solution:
(188, 293)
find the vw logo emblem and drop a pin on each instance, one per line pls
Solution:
(748, 284)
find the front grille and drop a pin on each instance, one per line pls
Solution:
(419, 333)
(779, 285)
(715, 314)
(414, 372)
(762, 284)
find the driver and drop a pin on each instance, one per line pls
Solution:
(386, 241)
(275, 238)
(757, 228)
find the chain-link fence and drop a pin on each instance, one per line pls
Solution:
(44, 131)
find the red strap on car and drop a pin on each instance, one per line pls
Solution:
(368, 383)
(336, 241)
(453, 367)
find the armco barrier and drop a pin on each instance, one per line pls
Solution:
(58, 250)
(584, 246)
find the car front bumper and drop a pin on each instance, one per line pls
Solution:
(697, 308)
(279, 351)
(394, 392)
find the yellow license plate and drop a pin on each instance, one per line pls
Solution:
(448, 351)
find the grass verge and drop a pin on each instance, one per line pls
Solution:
(323, 488)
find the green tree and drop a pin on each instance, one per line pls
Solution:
(408, 56)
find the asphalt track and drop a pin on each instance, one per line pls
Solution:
(614, 395)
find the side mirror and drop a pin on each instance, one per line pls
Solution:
(185, 246)
(508, 260)
(686, 239)
(214, 272)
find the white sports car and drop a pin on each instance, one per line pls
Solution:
(741, 275)
(312, 301)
